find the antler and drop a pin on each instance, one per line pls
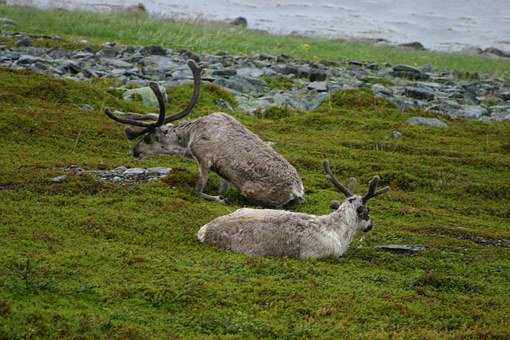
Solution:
(373, 191)
(132, 133)
(329, 175)
(196, 70)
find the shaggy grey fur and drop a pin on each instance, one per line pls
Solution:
(221, 143)
(268, 232)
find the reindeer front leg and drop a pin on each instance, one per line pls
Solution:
(203, 167)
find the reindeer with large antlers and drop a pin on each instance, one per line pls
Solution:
(267, 232)
(218, 142)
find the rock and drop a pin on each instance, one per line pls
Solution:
(320, 86)
(401, 249)
(133, 172)
(252, 72)
(239, 21)
(415, 45)
(504, 95)
(396, 134)
(154, 50)
(381, 89)
(59, 179)
(244, 85)
(86, 107)
(117, 63)
(301, 100)
(23, 41)
(68, 66)
(433, 122)
(146, 95)
(158, 65)
(472, 111)
(224, 72)
(28, 59)
(313, 74)
(418, 93)
(408, 72)
(7, 22)
(109, 50)
(497, 52)
(158, 171)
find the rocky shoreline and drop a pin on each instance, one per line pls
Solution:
(255, 81)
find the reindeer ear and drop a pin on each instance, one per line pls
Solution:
(334, 205)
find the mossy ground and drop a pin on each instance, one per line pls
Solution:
(86, 259)
(89, 259)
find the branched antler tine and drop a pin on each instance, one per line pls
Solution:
(196, 70)
(110, 114)
(329, 175)
(382, 191)
(161, 101)
(373, 190)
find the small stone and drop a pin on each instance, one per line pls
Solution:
(158, 171)
(24, 41)
(505, 95)
(86, 107)
(59, 179)
(321, 86)
(396, 134)
(153, 50)
(473, 111)
(401, 249)
(224, 72)
(117, 63)
(133, 172)
(239, 21)
(408, 72)
(419, 93)
(433, 122)
(378, 88)
(415, 45)
(7, 22)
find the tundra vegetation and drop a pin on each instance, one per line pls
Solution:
(91, 259)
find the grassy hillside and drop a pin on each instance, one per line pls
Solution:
(142, 30)
(87, 259)
(84, 258)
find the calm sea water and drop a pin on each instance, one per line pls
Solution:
(438, 24)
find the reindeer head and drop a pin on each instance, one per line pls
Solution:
(159, 136)
(355, 202)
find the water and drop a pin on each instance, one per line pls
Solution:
(438, 24)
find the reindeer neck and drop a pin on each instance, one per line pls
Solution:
(342, 221)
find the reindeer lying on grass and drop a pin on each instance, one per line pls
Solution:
(218, 142)
(268, 232)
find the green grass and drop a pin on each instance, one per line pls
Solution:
(88, 259)
(139, 29)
